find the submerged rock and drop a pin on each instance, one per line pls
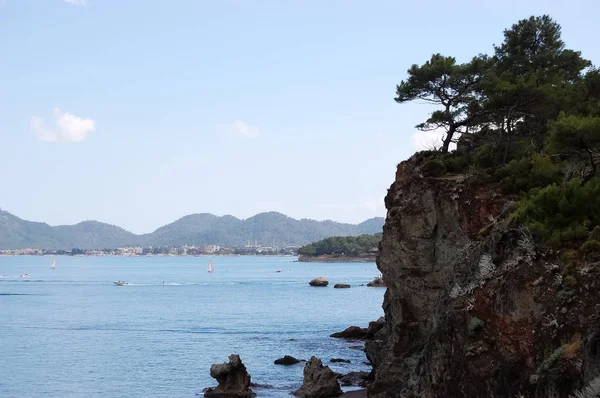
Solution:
(319, 381)
(341, 286)
(287, 360)
(320, 281)
(377, 282)
(334, 360)
(233, 379)
(352, 332)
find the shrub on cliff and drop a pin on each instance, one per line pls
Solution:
(559, 213)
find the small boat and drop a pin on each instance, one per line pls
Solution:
(278, 270)
(210, 267)
(25, 275)
(121, 283)
(53, 263)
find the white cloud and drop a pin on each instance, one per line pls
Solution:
(241, 129)
(69, 128)
(79, 3)
(427, 140)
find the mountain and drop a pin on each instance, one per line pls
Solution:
(270, 228)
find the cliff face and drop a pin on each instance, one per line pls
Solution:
(472, 308)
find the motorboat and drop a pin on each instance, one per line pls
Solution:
(121, 283)
(25, 275)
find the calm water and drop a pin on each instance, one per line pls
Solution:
(70, 332)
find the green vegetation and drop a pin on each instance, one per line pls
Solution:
(525, 119)
(342, 246)
(268, 229)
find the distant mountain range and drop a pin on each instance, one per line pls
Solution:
(268, 229)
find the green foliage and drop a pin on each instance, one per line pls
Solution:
(475, 325)
(338, 245)
(576, 138)
(559, 213)
(595, 234)
(568, 256)
(590, 246)
(551, 360)
(443, 82)
(433, 168)
(526, 173)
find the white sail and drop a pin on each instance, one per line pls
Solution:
(210, 267)
(53, 263)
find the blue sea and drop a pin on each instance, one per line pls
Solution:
(70, 332)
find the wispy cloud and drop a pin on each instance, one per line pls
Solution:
(241, 129)
(431, 140)
(69, 128)
(80, 3)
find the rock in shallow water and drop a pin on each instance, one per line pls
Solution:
(320, 281)
(341, 286)
(352, 332)
(319, 381)
(287, 360)
(233, 379)
(333, 360)
(377, 282)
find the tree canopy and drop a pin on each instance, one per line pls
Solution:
(528, 81)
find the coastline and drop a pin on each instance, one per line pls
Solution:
(336, 259)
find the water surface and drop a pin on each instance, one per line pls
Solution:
(70, 332)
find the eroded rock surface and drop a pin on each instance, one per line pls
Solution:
(319, 381)
(233, 379)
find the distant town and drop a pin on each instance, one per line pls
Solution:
(160, 251)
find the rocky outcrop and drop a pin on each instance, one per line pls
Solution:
(319, 281)
(319, 381)
(352, 332)
(287, 360)
(233, 379)
(339, 360)
(374, 327)
(377, 282)
(473, 308)
(356, 379)
(341, 286)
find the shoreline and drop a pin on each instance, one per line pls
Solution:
(336, 259)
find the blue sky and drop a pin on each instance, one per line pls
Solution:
(138, 112)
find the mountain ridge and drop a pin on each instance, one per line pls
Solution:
(267, 228)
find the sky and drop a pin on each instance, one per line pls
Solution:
(138, 112)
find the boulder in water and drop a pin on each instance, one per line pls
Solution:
(234, 380)
(287, 360)
(341, 286)
(319, 381)
(339, 360)
(320, 281)
(351, 332)
(377, 282)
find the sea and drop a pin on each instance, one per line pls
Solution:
(70, 332)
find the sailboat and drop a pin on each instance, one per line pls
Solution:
(53, 263)
(210, 268)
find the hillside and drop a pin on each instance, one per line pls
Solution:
(197, 229)
(341, 248)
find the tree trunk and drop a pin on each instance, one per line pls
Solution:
(448, 139)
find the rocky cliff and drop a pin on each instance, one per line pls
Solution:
(473, 307)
